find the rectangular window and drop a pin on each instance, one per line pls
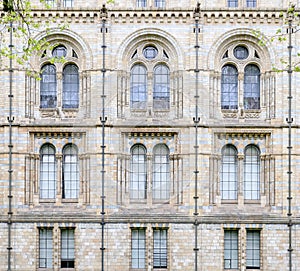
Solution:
(232, 3)
(50, 3)
(253, 249)
(45, 248)
(138, 248)
(231, 249)
(251, 3)
(68, 3)
(141, 3)
(67, 248)
(160, 3)
(160, 248)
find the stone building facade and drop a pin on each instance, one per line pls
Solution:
(159, 143)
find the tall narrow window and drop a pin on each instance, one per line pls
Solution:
(68, 3)
(141, 3)
(138, 87)
(252, 173)
(160, 249)
(47, 172)
(48, 94)
(231, 249)
(138, 180)
(232, 3)
(253, 249)
(252, 87)
(251, 3)
(70, 86)
(67, 248)
(160, 3)
(161, 91)
(138, 248)
(45, 248)
(229, 173)
(70, 176)
(161, 172)
(229, 87)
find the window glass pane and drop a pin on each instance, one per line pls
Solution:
(141, 3)
(241, 52)
(138, 87)
(67, 248)
(59, 51)
(160, 3)
(229, 173)
(231, 249)
(48, 98)
(45, 248)
(161, 172)
(232, 3)
(252, 173)
(253, 249)
(252, 87)
(161, 91)
(138, 248)
(150, 52)
(138, 172)
(47, 172)
(70, 87)
(229, 87)
(70, 181)
(68, 3)
(160, 248)
(251, 3)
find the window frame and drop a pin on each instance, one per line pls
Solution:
(68, 245)
(232, 3)
(47, 249)
(161, 87)
(229, 88)
(255, 250)
(251, 88)
(160, 3)
(70, 88)
(160, 248)
(48, 90)
(251, 3)
(68, 3)
(138, 248)
(138, 88)
(231, 240)
(141, 3)
(45, 166)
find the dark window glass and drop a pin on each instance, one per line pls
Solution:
(161, 92)
(138, 87)
(47, 172)
(48, 98)
(240, 52)
(252, 87)
(229, 173)
(229, 87)
(70, 86)
(138, 179)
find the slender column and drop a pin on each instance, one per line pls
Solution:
(196, 120)
(103, 119)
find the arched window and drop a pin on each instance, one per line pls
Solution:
(252, 173)
(229, 173)
(138, 87)
(70, 173)
(161, 172)
(48, 94)
(138, 177)
(161, 91)
(47, 172)
(229, 87)
(70, 96)
(252, 87)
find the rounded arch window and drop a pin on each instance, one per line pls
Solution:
(240, 52)
(150, 52)
(59, 51)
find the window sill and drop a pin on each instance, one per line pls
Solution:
(47, 200)
(69, 200)
(229, 201)
(248, 201)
